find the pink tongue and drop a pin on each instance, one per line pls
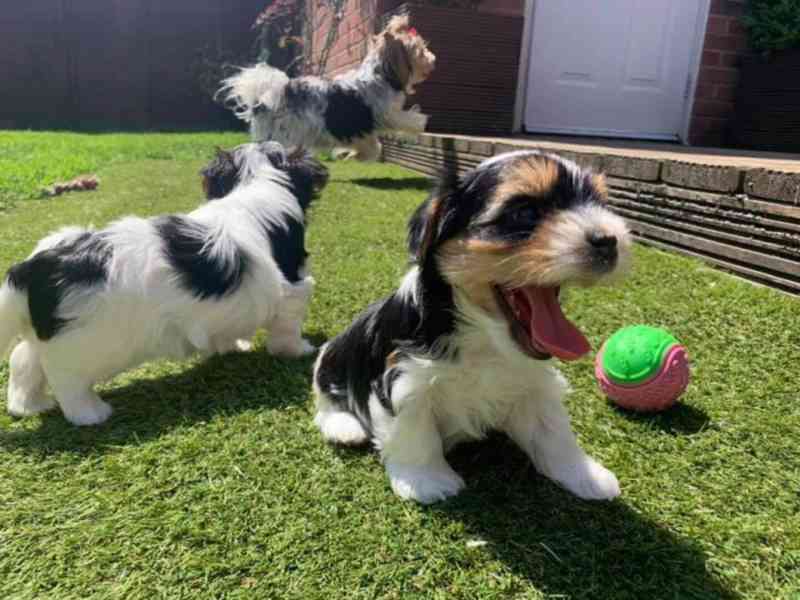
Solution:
(550, 328)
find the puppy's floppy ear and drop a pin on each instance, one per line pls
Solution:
(307, 174)
(303, 164)
(396, 62)
(275, 153)
(221, 157)
(433, 221)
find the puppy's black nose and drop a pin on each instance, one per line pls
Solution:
(604, 247)
(601, 241)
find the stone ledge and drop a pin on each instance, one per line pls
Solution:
(702, 177)
(773, 185)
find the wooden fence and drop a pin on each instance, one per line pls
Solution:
(116, 63)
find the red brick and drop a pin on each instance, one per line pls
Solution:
(713, 108)
(711, 58)
(723, 76)
(725, 42)
(705, 131)
(717, 24)
(731, 59)
(726, 93)
(705, 91)
(733, 8)
(737, 27)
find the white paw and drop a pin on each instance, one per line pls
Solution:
(341, 428)
(307, 347)
(21, 405)
(243, 346)
(425, 484)
(92, 411)
(291, 348)
(588, 479)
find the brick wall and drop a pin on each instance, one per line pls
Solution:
(724, 46)
(356, 27)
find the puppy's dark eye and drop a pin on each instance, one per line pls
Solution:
(516, 222)
(526, 213)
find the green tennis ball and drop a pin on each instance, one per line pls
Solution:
(634, 354)
(642, 368)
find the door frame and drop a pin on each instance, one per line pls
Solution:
(695, 54)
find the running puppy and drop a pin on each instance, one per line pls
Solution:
(347, 111)
(89, 304)
(465, 344)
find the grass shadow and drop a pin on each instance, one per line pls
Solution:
(145, 409)
(680, 419)
(388, 183)
(568, 547)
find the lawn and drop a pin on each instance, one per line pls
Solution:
(210, 480)
(30, 161)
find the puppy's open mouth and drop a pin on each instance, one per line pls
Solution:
(538, 324)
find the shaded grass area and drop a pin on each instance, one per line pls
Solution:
(211, 481)
(30, 161)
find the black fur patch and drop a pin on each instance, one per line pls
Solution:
(50, 274)
(298, 94)
(219, 176)
(347, 116)
(288, 248)
(356, 360)
(204, 276)
(308, 177)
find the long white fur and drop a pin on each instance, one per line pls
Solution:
(141, 312)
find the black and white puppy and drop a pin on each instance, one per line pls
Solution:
(89, 304)
(349, 110)
(465, 344)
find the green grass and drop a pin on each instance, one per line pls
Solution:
(210, 480)
(30, 161)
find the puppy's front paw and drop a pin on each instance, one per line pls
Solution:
(425, 484)
(88, 411)
(294, 348)
(21, 404)
(421, 121)
(588, 479)
(243, 346)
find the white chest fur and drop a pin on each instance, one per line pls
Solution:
(476, 389)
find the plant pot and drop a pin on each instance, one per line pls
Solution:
(767, 115)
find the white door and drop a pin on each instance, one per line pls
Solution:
(611, 67)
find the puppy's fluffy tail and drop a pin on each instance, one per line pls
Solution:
(253, 90)
(13, 314)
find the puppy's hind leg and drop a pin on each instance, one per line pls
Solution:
(285, 329)
(74, 394)
(541, 427)
(26, 383)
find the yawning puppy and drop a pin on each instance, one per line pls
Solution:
(89, 304)
(466, 343)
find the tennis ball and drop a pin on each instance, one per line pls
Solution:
(642, 368)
